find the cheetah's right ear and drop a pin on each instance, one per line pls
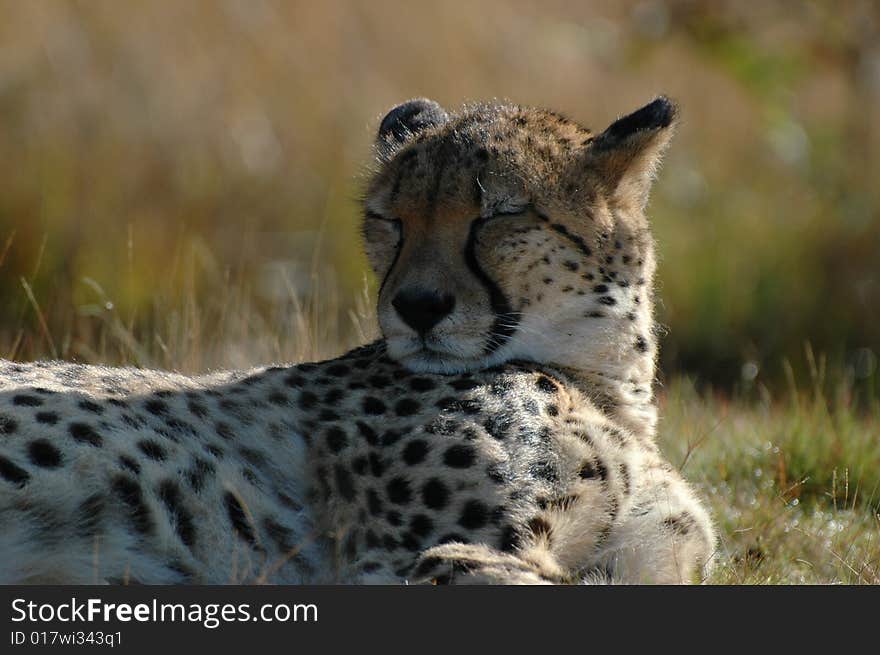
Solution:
(406, 120)
(627, 154)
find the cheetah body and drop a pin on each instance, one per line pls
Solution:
(501, 432)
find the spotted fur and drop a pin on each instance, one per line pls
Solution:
(502, 431)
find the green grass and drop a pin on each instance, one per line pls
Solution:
(794, 485)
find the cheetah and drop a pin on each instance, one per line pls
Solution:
(502, 431)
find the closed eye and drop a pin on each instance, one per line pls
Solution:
(510, 210)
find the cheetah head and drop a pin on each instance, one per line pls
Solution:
(502, 232)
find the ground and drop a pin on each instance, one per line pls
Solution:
(793, 483)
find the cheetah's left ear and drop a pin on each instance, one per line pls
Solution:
(627, 154)
(406, 120)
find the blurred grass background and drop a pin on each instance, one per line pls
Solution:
(154, 147)
(179, 184)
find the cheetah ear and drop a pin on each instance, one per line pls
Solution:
(406, 120)
(627, 154)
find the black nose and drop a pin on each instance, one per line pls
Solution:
(421, 309)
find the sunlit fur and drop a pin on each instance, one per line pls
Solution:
(560, 229)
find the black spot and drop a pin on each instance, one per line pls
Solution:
(238, 518)
(415, 451)
(278, 398)
(681, 524)
(370, 567)
(394, 518)
(459, 456)
(590, 469)
(337, 370)
(368, 433)
(307, 400)
(421, 384)
(499, 427)
(169, 494)
(85, 434)
(88, 516)
(42, 453)
(200, 470)
(464, 384)
(26, 401)
(294, 380)
(389, 542)
(130, 494)
(223, 430)
(372, 539)
(421, 525)
(252, 456)
(545, 384)
(281, 535)
(539, 526)
(390, 437)
(344, 482)
(435, 494)
(641, 344)
(377, 465)
(509, 540)
(374, 502)
(475, 515)
(13, 473)
(9, 425)
(545, 470)
(197, 409)
(359, 465)
(337, 439)
(399, 491)
(378, 381)
(406, 407)
(250, 476)
(606, 300)
(411, 542)
(176, 425)
(373, 406)
(623, 470)
(156, 407)
(127, 462)
(600, 288)
(152, 450)
(465, 406)
(90, 406)
(333, 396)
(501, 386)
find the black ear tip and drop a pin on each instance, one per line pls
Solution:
(657, 114)
(410, 117)
(663, 111)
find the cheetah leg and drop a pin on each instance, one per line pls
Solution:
(475, 564)
(667, 537)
